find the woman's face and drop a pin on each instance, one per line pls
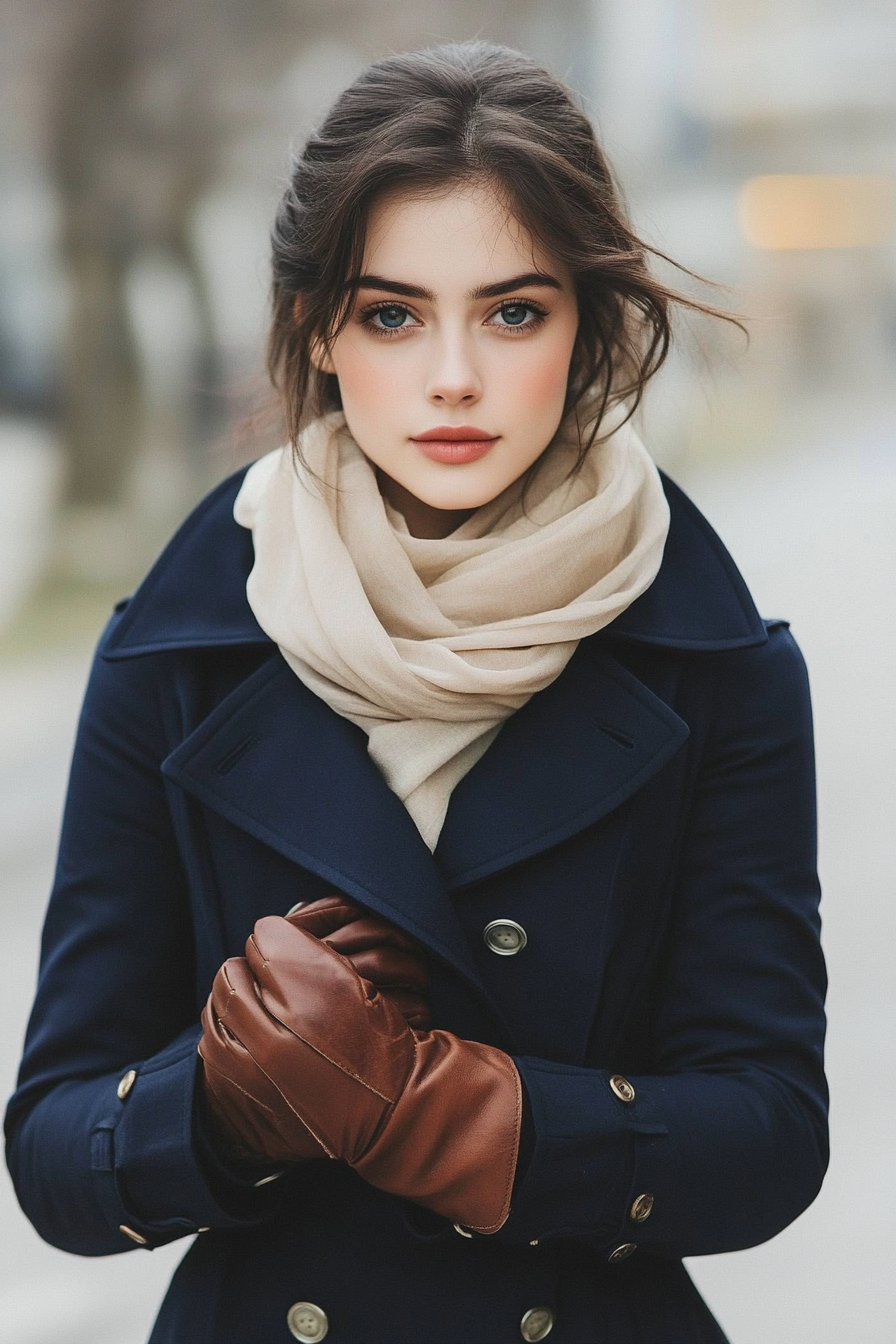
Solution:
(453, 366)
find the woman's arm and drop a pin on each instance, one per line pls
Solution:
(728, 1133)
(116, 993)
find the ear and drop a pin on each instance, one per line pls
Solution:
(318, 354)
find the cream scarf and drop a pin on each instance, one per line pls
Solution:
(430, 645)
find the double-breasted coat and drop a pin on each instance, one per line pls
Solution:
(648, 820)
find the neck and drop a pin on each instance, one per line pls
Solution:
(423, 520)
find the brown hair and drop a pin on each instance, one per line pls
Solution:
(427, 119)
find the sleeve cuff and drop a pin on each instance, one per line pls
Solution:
(169, 1178)
(582, 1165)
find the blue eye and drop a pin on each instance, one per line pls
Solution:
(515, 314)
(392, 317)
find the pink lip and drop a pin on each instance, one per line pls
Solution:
(455, 443)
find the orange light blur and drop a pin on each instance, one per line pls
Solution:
(815, 211)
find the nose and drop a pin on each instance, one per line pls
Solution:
(454, 379)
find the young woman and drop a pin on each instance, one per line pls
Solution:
(446, 748)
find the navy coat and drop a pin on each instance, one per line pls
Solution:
(648, 819)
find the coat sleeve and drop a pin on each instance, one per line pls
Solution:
(726, 1133)
(116, 993)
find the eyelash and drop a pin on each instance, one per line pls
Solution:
(538, 316)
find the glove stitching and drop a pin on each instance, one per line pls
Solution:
(349, 1073)
(251, 1096)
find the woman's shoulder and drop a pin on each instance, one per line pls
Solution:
(699, 618)
(698, 601)
(194, 596)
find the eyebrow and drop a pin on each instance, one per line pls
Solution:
(494, 291)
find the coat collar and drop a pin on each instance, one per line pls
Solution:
(698, 600)
(194, 597)
(195, 594)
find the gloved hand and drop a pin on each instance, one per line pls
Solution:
(422, 1114)
(382, 953)
(241, 1102)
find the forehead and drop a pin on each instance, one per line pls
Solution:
(464, 236)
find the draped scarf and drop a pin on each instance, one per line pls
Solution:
(430, 645)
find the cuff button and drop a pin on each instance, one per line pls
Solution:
(127, 1082)
(641, 1209)
(537, 1324)
(621, 1253)
(622, 1088)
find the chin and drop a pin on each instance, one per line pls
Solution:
(461, 489)
(457, 501)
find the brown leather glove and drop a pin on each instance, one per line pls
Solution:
(379, 951)
(241, 1103)
(422, 1114)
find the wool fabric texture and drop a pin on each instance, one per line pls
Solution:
(429, 646)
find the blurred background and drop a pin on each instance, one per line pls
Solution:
(143, 144)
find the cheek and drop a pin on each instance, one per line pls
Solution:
(539, 382)
(366, 379)
(547, 381)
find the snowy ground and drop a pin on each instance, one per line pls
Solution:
(816, 537)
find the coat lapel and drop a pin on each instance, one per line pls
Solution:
(276, 761)
(567, 758)
(279, 763)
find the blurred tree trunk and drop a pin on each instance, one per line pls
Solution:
(133, 141)
(102, 384)
(101, 394)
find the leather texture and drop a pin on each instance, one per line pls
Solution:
(379, 951)
(314, 1048)
(241, 1103)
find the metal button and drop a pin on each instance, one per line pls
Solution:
(641, 1209)
(126, 1084)
(134, 1236)
(307, 1322)
(203, 1229)
(537, 1324)
(505, 937)
(462, 1231)
(621, 1253)
(622, 1087)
